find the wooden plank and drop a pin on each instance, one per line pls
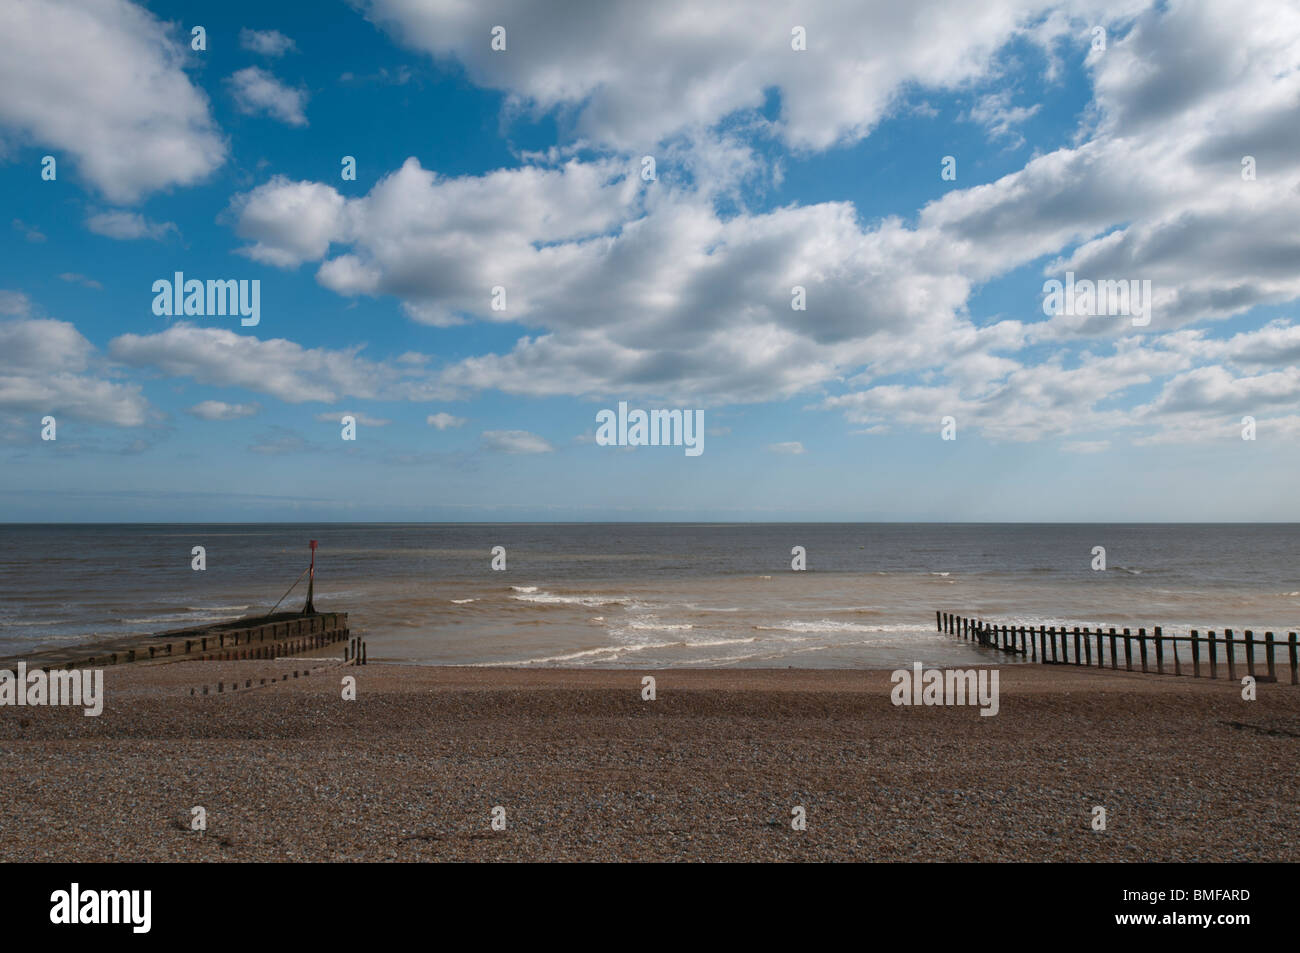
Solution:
(1232, 656)
(1214, 655)
(1128, 652)
(1196, 654)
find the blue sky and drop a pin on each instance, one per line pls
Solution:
(775, 167)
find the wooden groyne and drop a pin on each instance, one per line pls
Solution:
(1158, 653)
(261, 637)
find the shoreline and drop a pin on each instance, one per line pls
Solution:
(709, 770)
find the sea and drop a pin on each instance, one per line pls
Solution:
(649, 594)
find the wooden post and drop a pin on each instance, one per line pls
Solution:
(1232, 656)
(1160, 652)
(1142, 648)
(1128, 652)
(1291, 653)
(1214, 655)
(1196, 654)
(1113, 662)
(1173, 647)
(1076, 645)
(1250, 653)
(938, 620)
(1100, 658)
(1087, 646)
(1268, 656)
(1033, 646)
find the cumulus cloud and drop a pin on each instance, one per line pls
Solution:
(220, 410)
(270, 43)
(104, 83)
(76, 278)
(443, 421)
(128, 226)
(515, 441)
(258, 92)
(634, 74)
(362, 418)
(625, 288)
(290, 222)
(46, 367)
(276, 367)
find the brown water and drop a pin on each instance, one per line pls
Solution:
(652, 594)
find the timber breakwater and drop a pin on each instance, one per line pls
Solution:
(269, 636)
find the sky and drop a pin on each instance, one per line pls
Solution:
(831, 228)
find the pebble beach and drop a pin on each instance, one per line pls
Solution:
(712, 769)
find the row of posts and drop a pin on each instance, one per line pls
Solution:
(355, 651)
(321, 630)
(1055, 641)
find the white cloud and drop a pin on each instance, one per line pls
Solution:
(43, 370)
(624, 287)
(14, 303)
(127, 226)
(219, 410)
(1086, 446)
(995, 112)
(334, 417)
(102, 81)
(790, 447)
(277, 367)
(515, 441)
(271, 43)
(258, 92)
(290, 222)
(443, 420)
(633, 74)
(76, 278)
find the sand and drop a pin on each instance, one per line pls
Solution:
(710, 770)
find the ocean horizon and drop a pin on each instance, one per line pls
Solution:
(647, 594)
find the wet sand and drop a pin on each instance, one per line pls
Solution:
(710, 770)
